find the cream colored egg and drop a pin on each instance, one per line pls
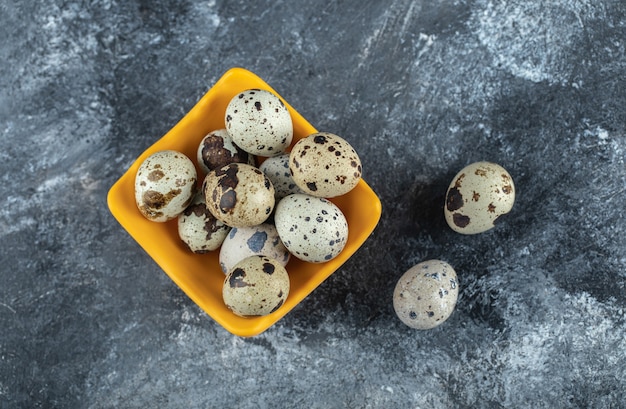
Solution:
(257, 285)
(312, 228)
(243, 242)
(426, 294)
(217, 149)
(277, 169)
(324, 165)
(198, 229)
(477, 196)
(259, 122)
(164, 185)
(239, 195)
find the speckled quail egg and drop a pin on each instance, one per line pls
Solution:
(277, 170)
(217, 149)
(478, 195)
(259, 122)
(257, 285)
(324, 165)
(198, 229)
(239, 195)
(243, 242)
(426, 294)
(164, 185)
(312, 228)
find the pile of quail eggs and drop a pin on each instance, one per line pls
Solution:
(259, 204)
(260, 213)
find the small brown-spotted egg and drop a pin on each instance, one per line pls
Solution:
(324, 165)
(277, 169)
(426, 294)
(259, 122)
(217, 149)
(312, 228)
(239, 195)
(257, 285)
(243, 242)
(164, 185)
(477, 196)
(198, 229)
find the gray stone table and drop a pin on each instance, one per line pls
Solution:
(421, 89)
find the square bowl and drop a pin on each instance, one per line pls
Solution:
(199, 275)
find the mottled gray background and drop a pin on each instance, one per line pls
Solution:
(421, 89)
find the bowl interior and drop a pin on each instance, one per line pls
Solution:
(200, 276)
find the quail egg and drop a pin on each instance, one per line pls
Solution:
(478, 195)
(164, 185)
(243, 242)
(324, 165)
(426, 294)
(312, 228)
(277, 170)
(198, 229)
(217, 149)
(257, 285)
(239, 195)
(259, 122)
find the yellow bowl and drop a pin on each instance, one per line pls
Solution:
(200, 276)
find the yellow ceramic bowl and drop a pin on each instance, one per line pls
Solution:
(200, 276)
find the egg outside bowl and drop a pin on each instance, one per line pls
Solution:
(199, 275)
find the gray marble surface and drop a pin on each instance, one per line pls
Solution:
(421, 89)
